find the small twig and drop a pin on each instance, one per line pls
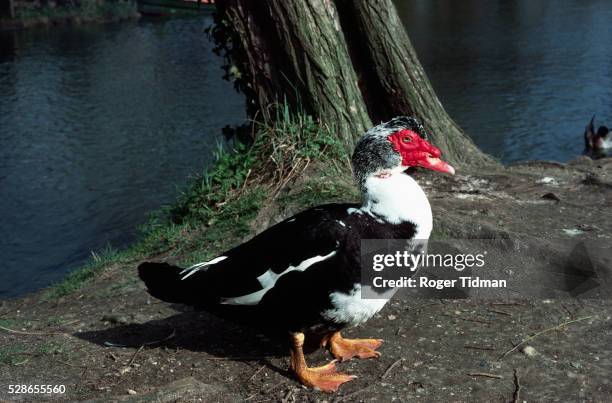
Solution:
(517, 387)
(485, 374)
(245, 181)
(486, 322)
(391, 367)
(288, 395)
(541, 333)
(134, 356)
(252, 396)
(271, 388)
(256, 373)
(81, 378)
(479, 347)
(499, 312)
(283, 182)
(69, 364)
(172, 335)
(241, 358)
(28, 333)
(70, 322)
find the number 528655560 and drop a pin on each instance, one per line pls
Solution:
(36, 389)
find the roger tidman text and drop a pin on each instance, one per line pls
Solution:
(424, 282)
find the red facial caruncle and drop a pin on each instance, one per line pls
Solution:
(418, 152)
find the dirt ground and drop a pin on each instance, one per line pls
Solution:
(112, 342)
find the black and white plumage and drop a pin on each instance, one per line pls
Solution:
(303, 274)
(597, 143)
(287, 277)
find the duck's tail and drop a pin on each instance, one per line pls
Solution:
(164, 282)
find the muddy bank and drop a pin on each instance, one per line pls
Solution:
(112, 342)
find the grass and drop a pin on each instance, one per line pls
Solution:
(17, 353)
(216, 209)
(77, 278)
(10, 354)
(316, 191)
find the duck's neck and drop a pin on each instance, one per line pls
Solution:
(398, 198)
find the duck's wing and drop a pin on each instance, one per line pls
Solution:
(244, 274)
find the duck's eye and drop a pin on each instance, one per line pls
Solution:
(406, 140)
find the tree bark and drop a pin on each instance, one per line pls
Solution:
(349, 63)
(7, 9)
(295, 51)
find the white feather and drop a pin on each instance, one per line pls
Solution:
(352, 309)
(200, 266)
(269, 279)
(398, 198)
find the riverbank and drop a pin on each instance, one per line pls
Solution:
(101, 335)
(30, 15)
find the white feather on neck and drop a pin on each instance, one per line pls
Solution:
(398, 198)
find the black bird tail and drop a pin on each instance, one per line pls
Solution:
(164, 281)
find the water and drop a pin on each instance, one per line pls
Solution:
(522, 78)
(98, 126)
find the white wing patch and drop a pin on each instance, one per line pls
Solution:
(341, 223)
(201, 266)
(269, 279)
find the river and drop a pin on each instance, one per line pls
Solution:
(523, 77)
(98, 126)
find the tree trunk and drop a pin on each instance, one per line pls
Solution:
(348, 63)
(295, 51)
(7, 9)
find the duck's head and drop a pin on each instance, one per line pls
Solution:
(396, 146)
(601, 140)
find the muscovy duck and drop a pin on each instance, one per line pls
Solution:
(302, 275)
(596, 143)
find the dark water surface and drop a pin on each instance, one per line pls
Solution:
(98, 126)
(522, 77)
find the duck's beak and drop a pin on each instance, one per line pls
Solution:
(436, 164)
(429, 158)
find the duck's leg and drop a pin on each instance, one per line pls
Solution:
(345, 349)
(324, 378)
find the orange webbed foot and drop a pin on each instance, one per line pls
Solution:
(325, 378)
(345, 349)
